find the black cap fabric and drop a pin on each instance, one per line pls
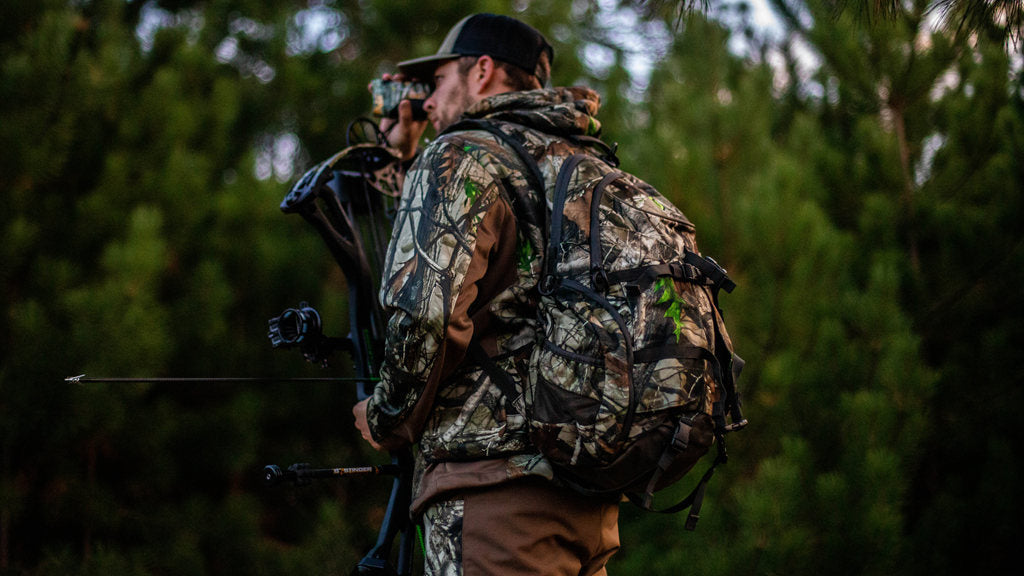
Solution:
(500, 37)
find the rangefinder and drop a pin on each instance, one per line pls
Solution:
(388, 93)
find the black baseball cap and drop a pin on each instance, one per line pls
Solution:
(500, 37)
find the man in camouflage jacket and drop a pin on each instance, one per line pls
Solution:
(460, 288)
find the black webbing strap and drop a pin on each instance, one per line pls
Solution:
(548, 281)
(735, 403)
(598, 275)
(693, 268)
(680, 440)
(695, 499)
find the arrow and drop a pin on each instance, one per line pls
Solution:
(83, 379)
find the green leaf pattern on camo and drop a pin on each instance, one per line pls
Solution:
(675, 309)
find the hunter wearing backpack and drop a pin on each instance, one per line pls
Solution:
(554, 341)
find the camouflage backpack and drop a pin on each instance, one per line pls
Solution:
(633, 374)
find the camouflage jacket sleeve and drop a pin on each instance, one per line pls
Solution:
(451, 214)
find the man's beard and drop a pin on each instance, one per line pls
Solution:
(465, 103)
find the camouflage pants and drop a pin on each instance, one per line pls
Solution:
(442, 527)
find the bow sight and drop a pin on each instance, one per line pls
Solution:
(295, 326)
(301, 327)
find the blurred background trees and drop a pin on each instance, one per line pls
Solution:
(860, 178)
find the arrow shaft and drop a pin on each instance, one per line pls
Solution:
(83, 379)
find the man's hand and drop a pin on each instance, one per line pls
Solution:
(403, 134)
(359, 411)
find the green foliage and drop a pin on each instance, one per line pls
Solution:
(869, 208)
(818, 204)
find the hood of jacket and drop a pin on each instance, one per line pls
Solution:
(557, 111)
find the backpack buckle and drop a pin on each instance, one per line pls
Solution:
(684, 271)
(599, 278)
(548, 284)
(681, 439)
(712, 272)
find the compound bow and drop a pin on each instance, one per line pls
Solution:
(350, 200)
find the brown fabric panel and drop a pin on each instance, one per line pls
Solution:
(531, 527)
(449, 477)
(492, 269)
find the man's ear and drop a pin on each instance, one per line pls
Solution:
(485, 78)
